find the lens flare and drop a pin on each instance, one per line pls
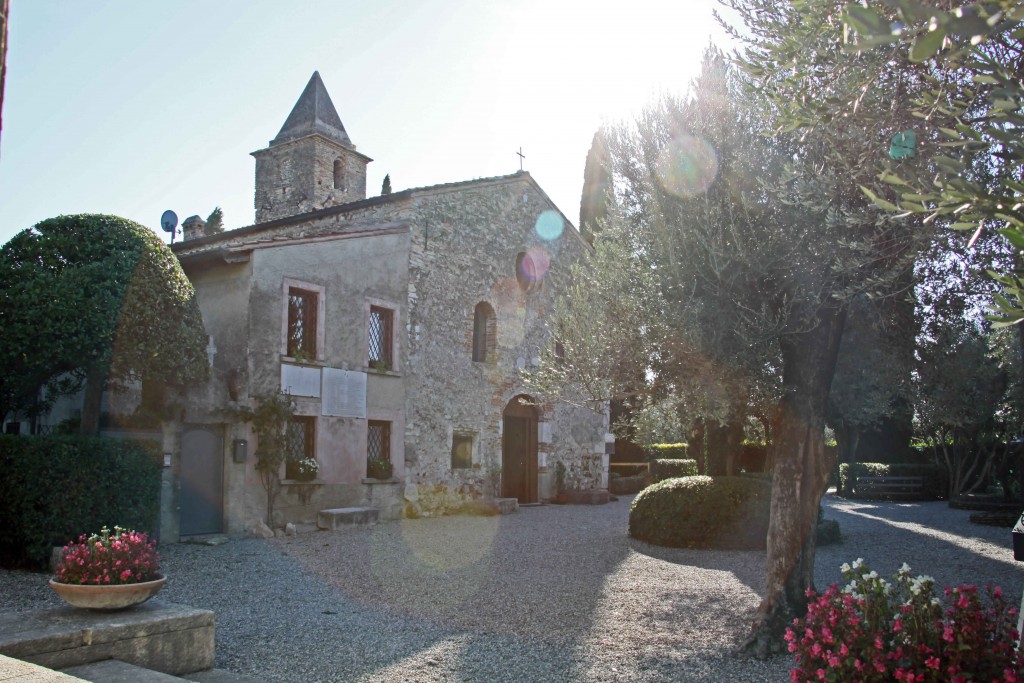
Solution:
(687, 166)
(549, 225)
(534, 265)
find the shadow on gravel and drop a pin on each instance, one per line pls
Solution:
(930, 536)
(748, 566)
(527, 583)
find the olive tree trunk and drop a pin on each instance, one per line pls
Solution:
(799, 478)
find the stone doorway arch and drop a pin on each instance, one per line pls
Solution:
(519, 450)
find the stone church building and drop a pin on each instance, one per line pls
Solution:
(399, 325)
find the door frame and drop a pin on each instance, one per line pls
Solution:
(217, 432)
(521, 407)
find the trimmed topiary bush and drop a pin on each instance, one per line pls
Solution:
(667, 451)
(753, 457)
(662, 469)
(936, 481)
(54, 488)
(703, 512)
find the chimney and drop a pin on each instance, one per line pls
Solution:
(193, 227)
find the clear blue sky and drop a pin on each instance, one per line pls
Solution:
(132, 107)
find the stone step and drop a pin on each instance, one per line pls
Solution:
(174, 639)
(341, 517)
(115, 671)
(505, 506)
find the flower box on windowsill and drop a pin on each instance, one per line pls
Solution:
(301, 482)
(386, 372)
(303, 361)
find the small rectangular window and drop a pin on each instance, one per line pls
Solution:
(381, 338)
(378, 440)
(302, 444)
(462, 451)
(302, 323)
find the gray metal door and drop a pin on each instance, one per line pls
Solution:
(202, 480)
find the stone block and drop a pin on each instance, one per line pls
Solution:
(173, 639)
(341, 517)
(506, 506)
(589, 497)
(115, 671)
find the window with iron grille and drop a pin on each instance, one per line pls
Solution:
(381, 335)
(302, 311)
(378, 440)
(462, 451)
(301, 442)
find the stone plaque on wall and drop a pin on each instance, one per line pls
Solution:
(344, 393)
(300, 380)
(543, 432)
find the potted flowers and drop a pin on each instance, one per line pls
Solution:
(378, 468)
(305, 469)
(1018, 539)
(109, 570)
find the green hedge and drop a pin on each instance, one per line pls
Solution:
(662, 469)
(55, 488)
(667, 451)
(936, 481)
(703, 512)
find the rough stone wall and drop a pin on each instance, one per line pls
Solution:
(464, 251)
(438, 253)
(299, 176)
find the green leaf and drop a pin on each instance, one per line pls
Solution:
(865, 21)
(927, 45)
(1015, 237)
(892, 179)
(880, 203)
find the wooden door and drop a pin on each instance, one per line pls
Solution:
(519, 452)
(202, 480)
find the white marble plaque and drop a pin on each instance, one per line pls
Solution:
(344, 393)
(300, 380)
(544, 432)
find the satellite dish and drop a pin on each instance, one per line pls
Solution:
(169, 221)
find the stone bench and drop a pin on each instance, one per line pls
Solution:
(342, 517)
(888, 486)
(172, 639)
(587, 497)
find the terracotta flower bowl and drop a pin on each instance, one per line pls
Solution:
(112, 597)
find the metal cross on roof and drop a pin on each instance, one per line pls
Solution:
(521, 157)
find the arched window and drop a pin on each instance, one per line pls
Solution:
(485, 333)
(525, 271)
(339, 174)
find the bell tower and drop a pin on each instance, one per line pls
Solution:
(312, 163)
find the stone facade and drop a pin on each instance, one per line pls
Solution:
(428, 272)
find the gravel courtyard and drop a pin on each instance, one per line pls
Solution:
(553, 593)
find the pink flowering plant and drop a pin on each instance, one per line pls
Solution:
(118, 557)
(876, 630)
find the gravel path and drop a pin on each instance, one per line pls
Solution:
(554, 593)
